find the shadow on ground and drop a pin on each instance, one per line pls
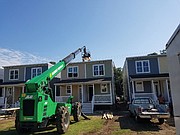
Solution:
(127, 122)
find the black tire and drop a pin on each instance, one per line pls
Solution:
(161, 121)
(137, 119)
(130, 114)
(17, 123)
(77, 111)
(62, 120)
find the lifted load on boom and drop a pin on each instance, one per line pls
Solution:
(37, 106)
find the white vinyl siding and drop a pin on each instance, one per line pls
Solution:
(13, 74)
(98, 70)
(139, 86)
(142, 66)
(36, 71)
(72, 72)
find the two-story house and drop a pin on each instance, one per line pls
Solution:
(15, 78)
(146, 76)
(90, 83)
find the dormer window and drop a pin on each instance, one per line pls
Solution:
(13, 74)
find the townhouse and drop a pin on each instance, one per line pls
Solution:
(146, 76)
(14, 81)
(91, 83)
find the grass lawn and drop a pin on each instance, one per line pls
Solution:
(82, 127)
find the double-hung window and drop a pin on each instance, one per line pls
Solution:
(98, 70)
(72, 71)
(13, 74)
(142, 66)
(36, 71)
(69, 89)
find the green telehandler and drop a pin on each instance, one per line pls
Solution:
(37, 106)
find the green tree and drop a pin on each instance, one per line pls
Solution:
(118, 78)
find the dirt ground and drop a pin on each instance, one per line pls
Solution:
(122, 123)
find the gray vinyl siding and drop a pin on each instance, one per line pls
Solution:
(28, 71)
(21, 74)
(153, 65)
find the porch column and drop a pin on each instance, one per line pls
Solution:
(22, 89)
(82, 91)
(153, 89)
(93, 90)
(110, 91)
(13, 95)
(55, 93)
(167, 90)
(133, 96)
(4, 92)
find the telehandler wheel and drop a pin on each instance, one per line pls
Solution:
(77, 111)
(62, 120)
(17, 123)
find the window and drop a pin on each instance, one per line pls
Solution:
(98, 70)
(72, 72)
(139, 86)
(142, 66)
(36, 71)
(69, 90)
(14, 74)
(104, 88)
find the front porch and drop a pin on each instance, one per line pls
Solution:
(89, 94)
(10, 95)
(151, 87)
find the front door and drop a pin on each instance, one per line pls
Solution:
(90, 92)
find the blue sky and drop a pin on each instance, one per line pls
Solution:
(111, 29)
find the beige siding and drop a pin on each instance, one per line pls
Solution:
(75, 93)
(107, 66)
(163, 64)
(97, 89)
(81, 72)
(63, 91)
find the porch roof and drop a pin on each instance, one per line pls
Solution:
(87, 80)
(149, 75)
(15, 83)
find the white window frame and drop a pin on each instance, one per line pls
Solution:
(13, 74)
(106, 88)
(142, 61)
(98, 65)
(36, 68)
(69, 89)
(73, 72)
(142, 86)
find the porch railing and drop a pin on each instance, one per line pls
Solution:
(106, 98)
(62, 98)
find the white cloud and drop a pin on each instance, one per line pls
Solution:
(13, 57)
